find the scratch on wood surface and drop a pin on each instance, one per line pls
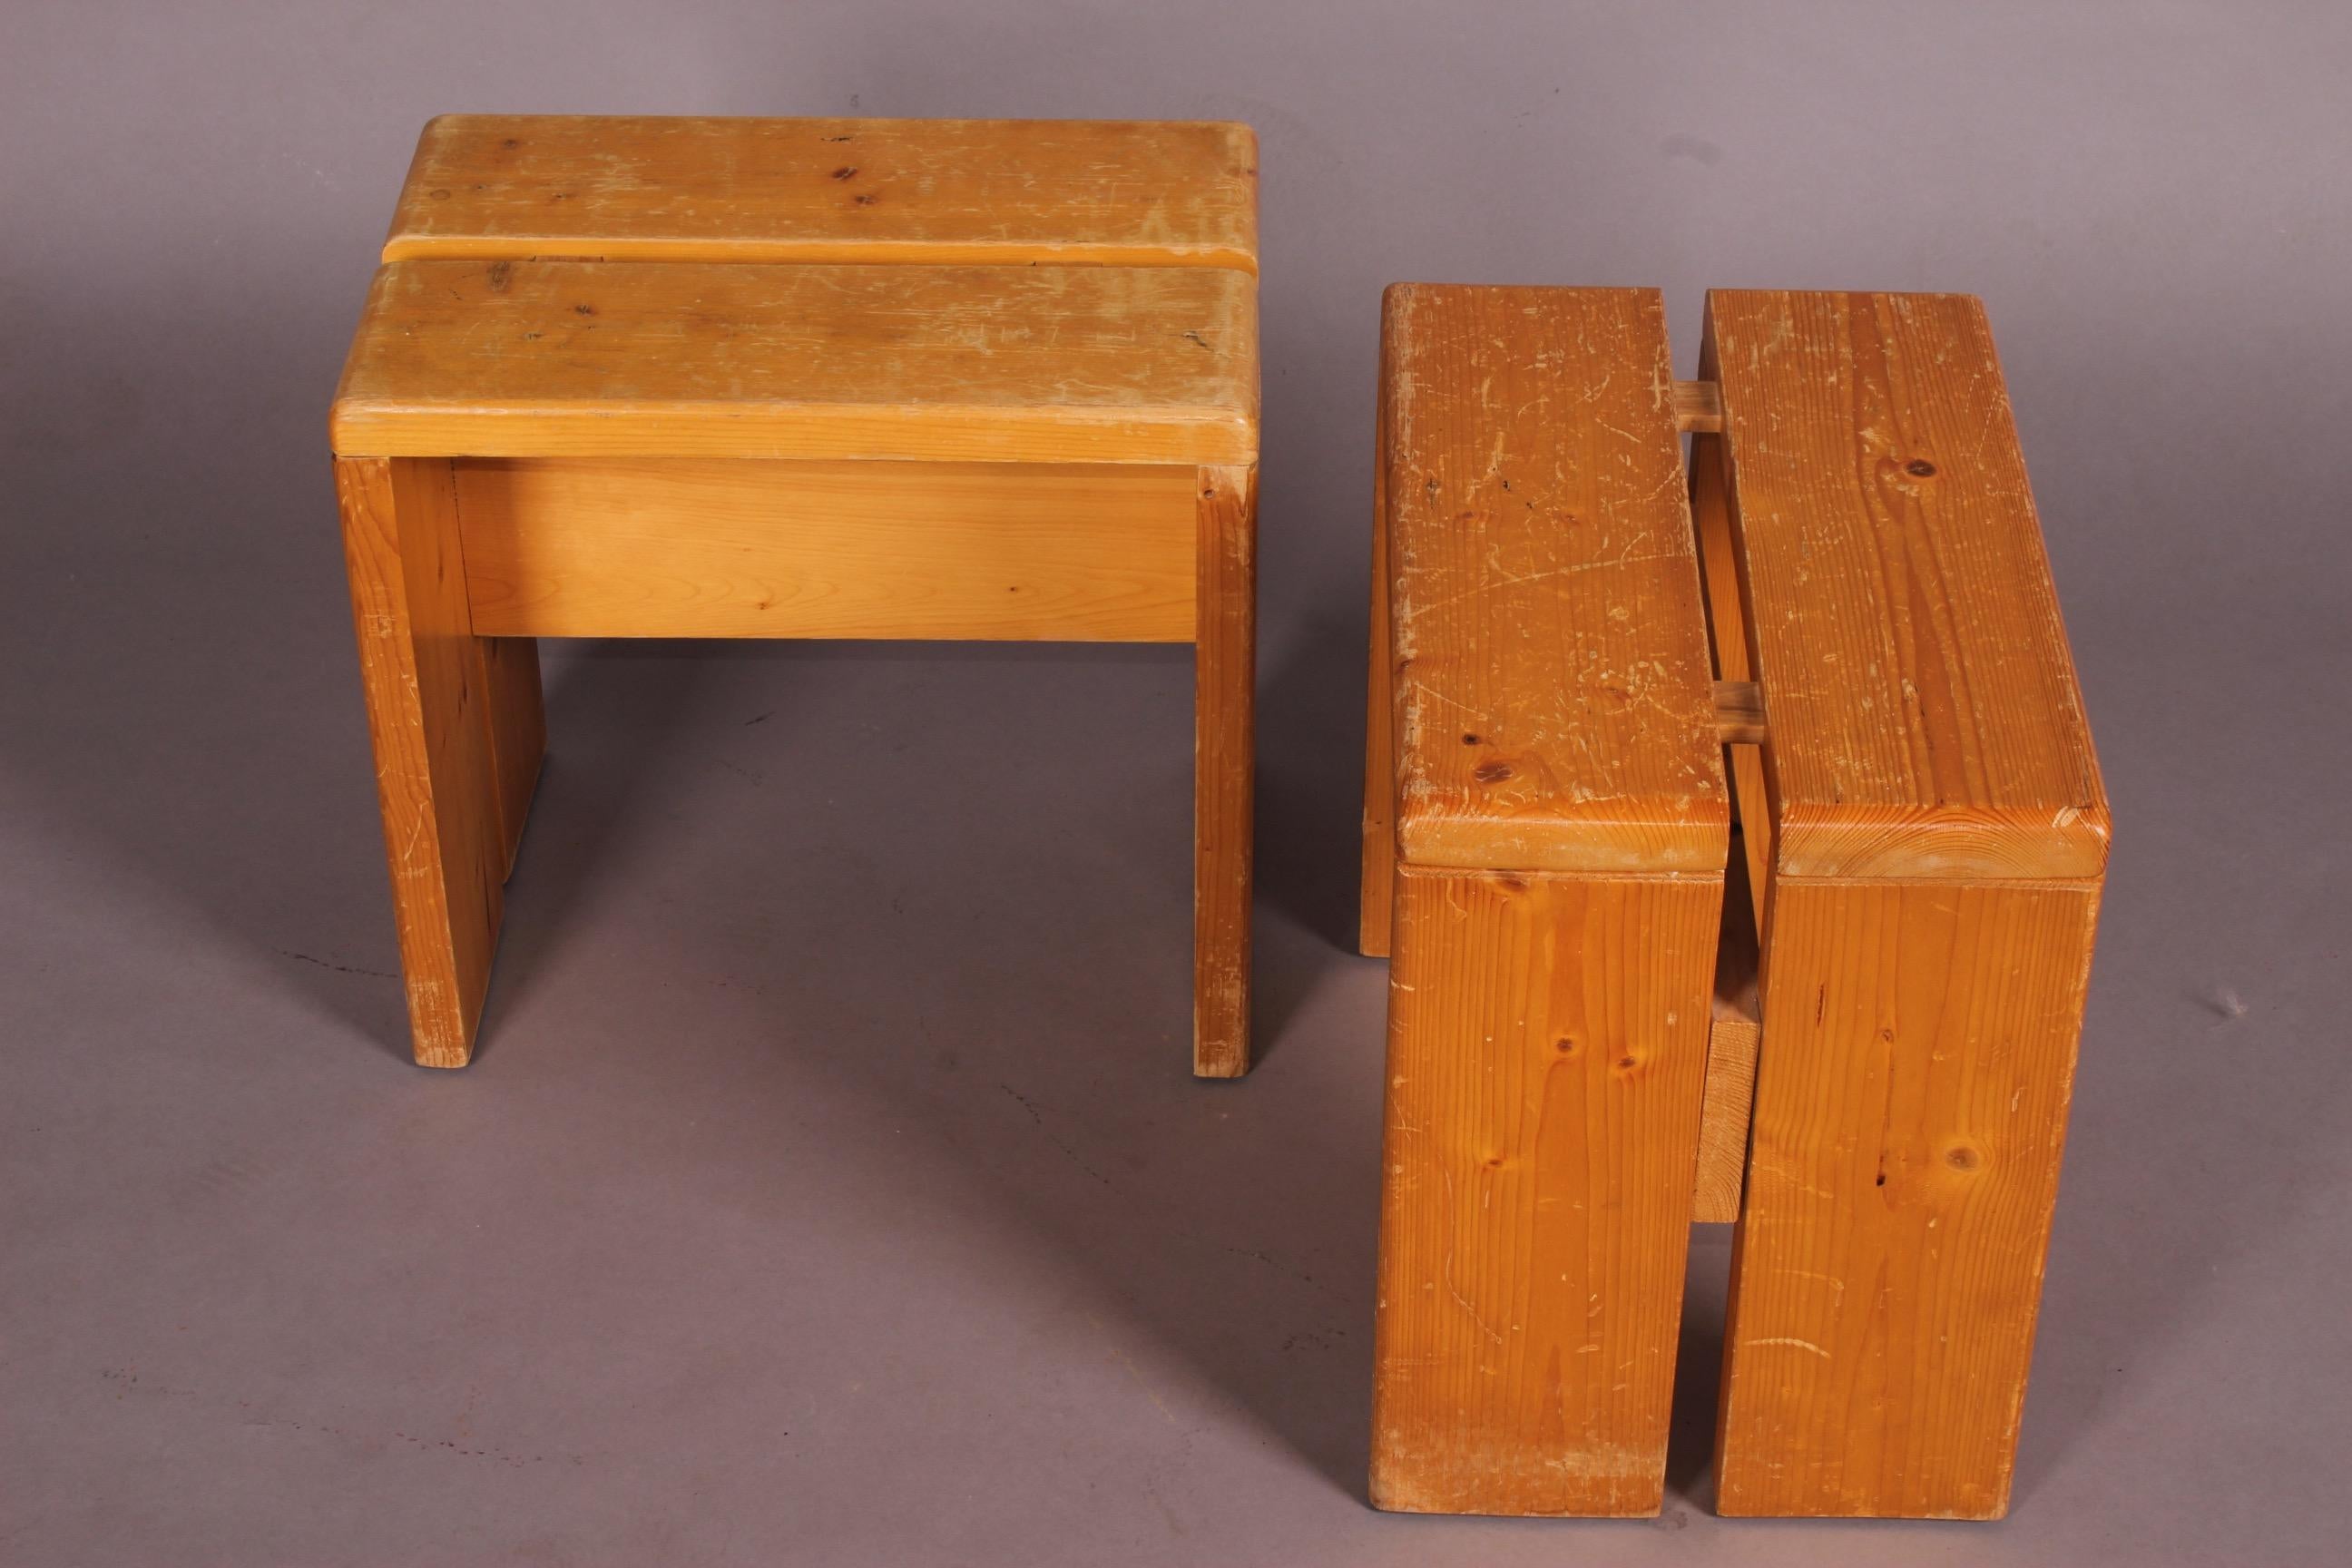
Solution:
(1788, 1340)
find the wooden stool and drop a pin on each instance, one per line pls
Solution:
(1924, 831)
(792, 378)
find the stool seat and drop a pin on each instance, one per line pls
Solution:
(1041, 364)
(1003, 191)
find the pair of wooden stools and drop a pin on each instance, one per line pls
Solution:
(966, 379)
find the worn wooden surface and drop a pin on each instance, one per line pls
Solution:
(1547, 1040)
(955, 363)
(1224, 768)
(699, 547)
(1550, 660)
(1732, 1044)
(1937, 831)
(430, 696)
(997, 192)
(1926, 716)
(1561, 825)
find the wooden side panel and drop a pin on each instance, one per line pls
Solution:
(701, 547)
(1552, 704)
(1910, 1114)
(1548, 1039)
(1224, 770)
(429, 697)
(1376, 893)
(995, 192)
(1925, 716)
(1046, 364)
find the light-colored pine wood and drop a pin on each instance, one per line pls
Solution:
(702, 547)
(523, 359)
(1224, 769)
(1547, 1040)
(429, 699)
(1938, 832)
(1552, 698)
(1922, 692)
(1548, 1012)
(993, 192)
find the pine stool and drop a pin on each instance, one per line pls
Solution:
(792, 378)
(1577, 1067)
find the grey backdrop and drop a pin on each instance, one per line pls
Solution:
(831, 1188)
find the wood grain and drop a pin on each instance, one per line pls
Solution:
(1919, 1043)
(521, 359)
(1224, 769)
(1926, 719)
(1731, 1048)
(430, 695)
(1548, 1039)
(700, 547)
(1552, 698)
(994, 192)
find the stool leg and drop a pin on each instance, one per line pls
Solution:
(435, 692)
(1548, 1041)
(1224, 768)
(1918, 1053)
(1377, 891)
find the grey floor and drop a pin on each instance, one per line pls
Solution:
(831, 1188)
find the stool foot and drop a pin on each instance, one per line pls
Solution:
(440, 704)
(1225, 696)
